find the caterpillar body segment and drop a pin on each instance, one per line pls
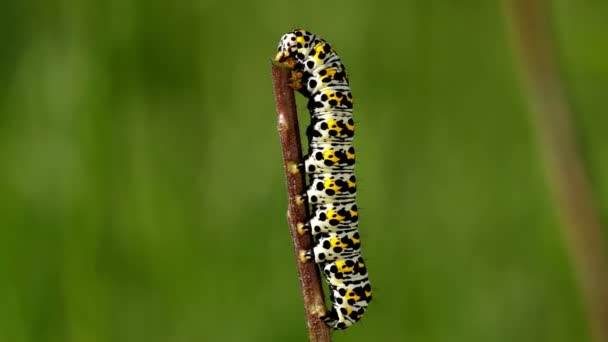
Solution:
(334, 217)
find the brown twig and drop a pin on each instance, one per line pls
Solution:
(289, 133)
(564, 168)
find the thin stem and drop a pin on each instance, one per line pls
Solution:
(564, 168)
(308, 272)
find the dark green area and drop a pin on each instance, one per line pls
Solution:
(142, 196)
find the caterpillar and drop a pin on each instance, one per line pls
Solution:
(319, 75)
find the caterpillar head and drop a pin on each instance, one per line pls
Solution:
(295, 45)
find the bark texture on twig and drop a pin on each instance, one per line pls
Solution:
(564, 167)
(308, 272)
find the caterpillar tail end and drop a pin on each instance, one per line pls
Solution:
(333, 320)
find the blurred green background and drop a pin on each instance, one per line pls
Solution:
(142, 196)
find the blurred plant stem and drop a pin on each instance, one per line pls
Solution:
(289, 133)
(564, 168)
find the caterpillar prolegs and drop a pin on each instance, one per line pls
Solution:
(321, 77)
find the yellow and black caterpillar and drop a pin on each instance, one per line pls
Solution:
(330, 164)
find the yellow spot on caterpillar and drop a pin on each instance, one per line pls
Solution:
(333, 125)
(350, 155)
(334, 215)
(331, 184)
(331, 72)
(350, 127)
(341, 265)
(350, 294)
(336, 242)
(330, 155)
(317, 51)
(348, 310)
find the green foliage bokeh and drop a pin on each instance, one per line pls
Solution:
(142, 196)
